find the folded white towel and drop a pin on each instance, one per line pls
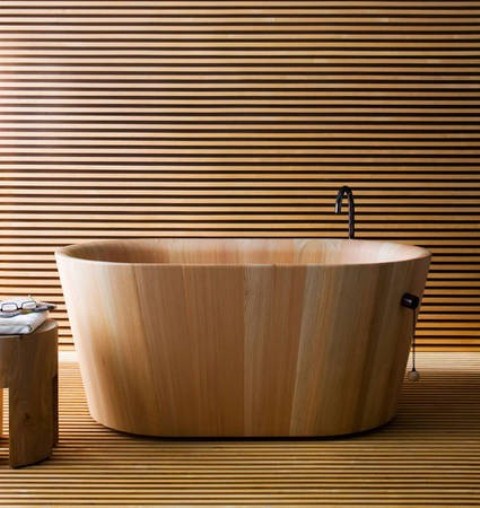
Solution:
(22, 323)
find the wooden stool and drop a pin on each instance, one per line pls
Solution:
(28, 368)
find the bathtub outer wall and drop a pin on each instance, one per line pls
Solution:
(241, 350)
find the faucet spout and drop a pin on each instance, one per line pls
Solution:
(346, 191)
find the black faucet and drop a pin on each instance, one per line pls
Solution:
(345, 190)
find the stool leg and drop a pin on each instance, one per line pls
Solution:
(32, 404)
(31, 423)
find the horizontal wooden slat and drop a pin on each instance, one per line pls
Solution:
(201, 4)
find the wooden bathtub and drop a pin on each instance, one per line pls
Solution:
(227, 337)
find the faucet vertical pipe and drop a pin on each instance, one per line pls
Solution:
(346, 191)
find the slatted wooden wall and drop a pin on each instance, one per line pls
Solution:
(242, 118)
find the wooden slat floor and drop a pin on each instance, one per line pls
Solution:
(428, 456)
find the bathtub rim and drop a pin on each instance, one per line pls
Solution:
(66, 252)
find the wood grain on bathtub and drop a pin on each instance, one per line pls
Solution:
(241, 337)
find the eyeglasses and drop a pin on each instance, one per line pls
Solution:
(14, 305)
(10, 308)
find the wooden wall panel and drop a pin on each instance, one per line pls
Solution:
(242, 118)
